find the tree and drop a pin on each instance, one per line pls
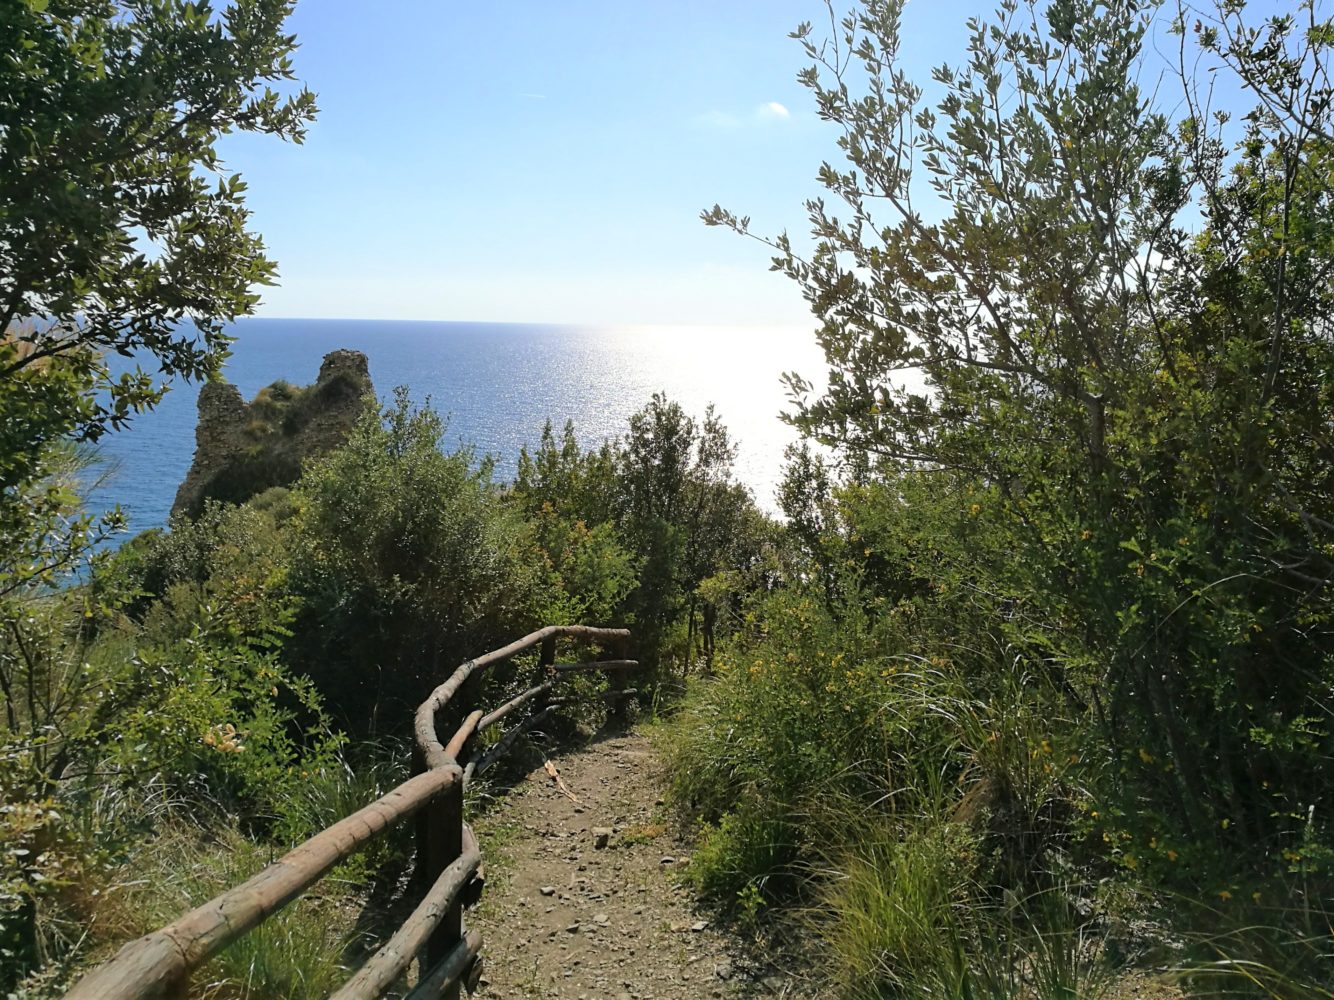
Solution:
(119, 229)
(567, 495)
(631, 530)
(1097, 319)
(681, 512)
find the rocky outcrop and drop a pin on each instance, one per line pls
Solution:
(243, 449)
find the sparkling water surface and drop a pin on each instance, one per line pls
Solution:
(497, 383)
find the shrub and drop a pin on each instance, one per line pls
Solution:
(405, 563)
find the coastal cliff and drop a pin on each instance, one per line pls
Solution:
(242, 449)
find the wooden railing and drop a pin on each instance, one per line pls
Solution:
(449, 860)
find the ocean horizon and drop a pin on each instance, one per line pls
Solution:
(496, 384)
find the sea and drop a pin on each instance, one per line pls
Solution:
(496, 384)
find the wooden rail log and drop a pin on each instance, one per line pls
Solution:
(424, 723)
(518, 701)
(472, 892)
(501, 746)
(462, 735)
(447, 972)
(159, 964)
(387, 964)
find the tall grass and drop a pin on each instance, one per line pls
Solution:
(918, 806)
(1276, 952)
(353, 778)
(906, 918)
(929, 904)
(299, 953)
(305, 950)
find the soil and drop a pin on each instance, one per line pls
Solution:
(565, 917)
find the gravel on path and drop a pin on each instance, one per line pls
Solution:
(585, 899)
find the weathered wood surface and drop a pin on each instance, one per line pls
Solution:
(387, 964)
(435, 982)
(462, 735)
(472, 891)
(518, 701)
(424, 723)
(449, 838)
(501, 746)
(158, 964)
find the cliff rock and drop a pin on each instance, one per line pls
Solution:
(243, 449)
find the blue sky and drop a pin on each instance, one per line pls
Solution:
(544, 162)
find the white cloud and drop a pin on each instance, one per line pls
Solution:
(773, 110)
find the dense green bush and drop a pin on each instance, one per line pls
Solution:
(109, 730)
(876, 706)
(405, 563)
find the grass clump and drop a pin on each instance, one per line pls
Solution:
(300, 953)
(906, 917)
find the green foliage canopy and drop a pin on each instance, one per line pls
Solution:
(405, 564)
(119, 229)
(636, 527)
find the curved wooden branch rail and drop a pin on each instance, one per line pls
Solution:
(159, 965)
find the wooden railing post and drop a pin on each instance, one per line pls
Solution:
(620, 649)
(444, 845)
(546, 657)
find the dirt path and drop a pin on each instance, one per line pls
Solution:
(584, 898)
